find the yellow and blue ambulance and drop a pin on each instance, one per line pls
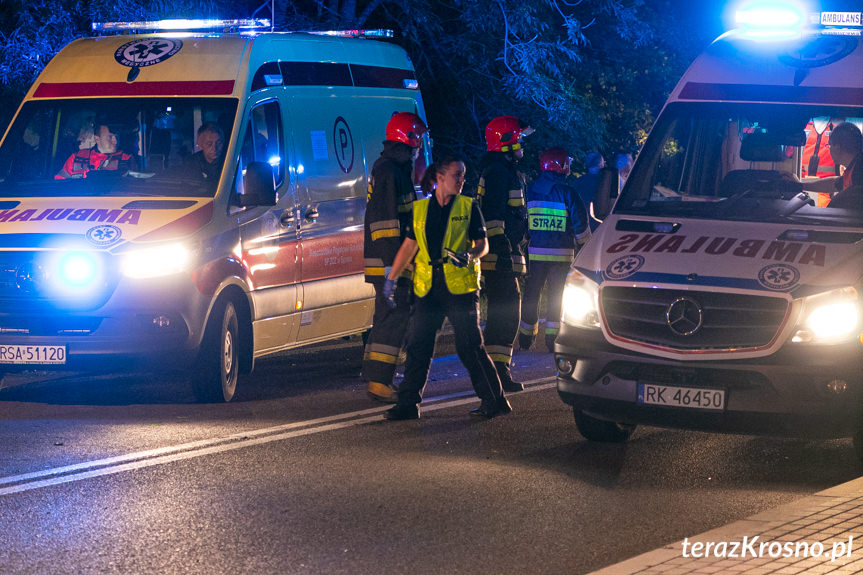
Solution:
(116, 244)
(720, 293)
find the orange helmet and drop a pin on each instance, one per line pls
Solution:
(555, 160)
(406, 128)
(504, 133)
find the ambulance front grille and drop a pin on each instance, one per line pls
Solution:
(728, 321)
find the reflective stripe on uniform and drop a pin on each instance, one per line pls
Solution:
(551, 254)
(385, 229)
(494, 227)
(382, 353)
(374, 266)
(552, 327)
(516, 198)
(518, 261)
(528, 329)
(489, 262)
(500, 353)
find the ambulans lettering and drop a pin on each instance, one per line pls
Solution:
(792, 252)
(116, 216)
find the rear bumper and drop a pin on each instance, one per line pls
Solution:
(785, 393)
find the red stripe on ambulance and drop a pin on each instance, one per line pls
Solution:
(81, 89)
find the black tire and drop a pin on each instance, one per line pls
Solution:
(218, 363)
(594, 429)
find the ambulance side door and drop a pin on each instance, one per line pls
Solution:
(332, 185)
(269, 234)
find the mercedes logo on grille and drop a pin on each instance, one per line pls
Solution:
(684, 316)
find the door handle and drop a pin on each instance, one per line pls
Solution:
(312, 214)
(287, 218)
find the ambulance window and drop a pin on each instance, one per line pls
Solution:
(264, 140)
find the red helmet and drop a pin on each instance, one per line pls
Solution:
(555, 160)
(406, 128)
(504, 133)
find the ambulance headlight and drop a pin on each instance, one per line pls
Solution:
(580, 301)
(831, 317)
(156, 262)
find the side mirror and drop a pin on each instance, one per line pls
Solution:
(259, 186)
(606, 189)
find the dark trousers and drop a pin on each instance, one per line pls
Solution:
(504, 308)
(387, 335)
(549, 275)
(426, 319)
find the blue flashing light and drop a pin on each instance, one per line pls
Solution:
(183, 24)
(274, 161)
(770, 16)
(770, 20)
(77, 270)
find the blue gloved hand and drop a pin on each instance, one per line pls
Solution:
(390, 292)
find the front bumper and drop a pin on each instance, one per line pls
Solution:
(159, 321)
(785, 393)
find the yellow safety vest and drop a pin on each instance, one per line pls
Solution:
(458, 280)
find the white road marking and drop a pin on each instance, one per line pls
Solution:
(162, 455)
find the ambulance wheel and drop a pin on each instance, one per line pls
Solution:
(219, 359)
(594, 429)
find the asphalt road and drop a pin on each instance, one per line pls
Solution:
(126, 474)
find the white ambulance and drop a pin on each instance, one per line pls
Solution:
(119, 239)
(720, 294)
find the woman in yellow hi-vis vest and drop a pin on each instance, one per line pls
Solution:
(448, 237)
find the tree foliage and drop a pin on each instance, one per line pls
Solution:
(587, 74)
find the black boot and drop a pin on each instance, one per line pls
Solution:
(525, 341)
(492, 408)
(400, 412)
(506, 380)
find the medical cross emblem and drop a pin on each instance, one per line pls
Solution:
(624, 267)
(778, 277)
(147, 52)
(104, 235)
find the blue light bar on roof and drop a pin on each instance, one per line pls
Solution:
(380, 33)
(182, 24)
(770, 15)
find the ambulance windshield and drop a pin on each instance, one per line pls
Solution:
(117, 147)
(744, 162)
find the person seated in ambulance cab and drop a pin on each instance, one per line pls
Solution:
(206, 163)
(104, 155)
(846, 149)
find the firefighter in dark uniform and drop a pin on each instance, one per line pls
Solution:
(448, 237)
(388, 215)
(558, 227)
(501, 196)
